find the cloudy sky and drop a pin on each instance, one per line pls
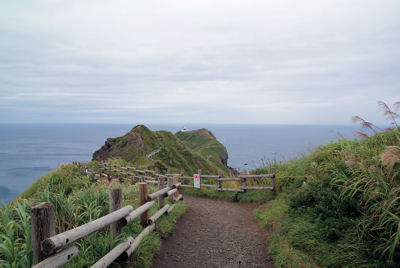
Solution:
(270, 61)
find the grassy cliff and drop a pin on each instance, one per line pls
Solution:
(190, 151)
(77, 200)
(338, 206)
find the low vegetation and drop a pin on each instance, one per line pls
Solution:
(77, 200)
(189, 150)
(336, 207)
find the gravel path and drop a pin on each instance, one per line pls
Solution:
(215, 233)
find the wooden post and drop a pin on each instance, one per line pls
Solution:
(175, 181)
(244, 180)
(161, 185)
(109, 178)
(101, 176)
(182, 175)
(115, 204)
(142, 198)
(43, 226)
(170, 183)
(220, 182)
(273, 180)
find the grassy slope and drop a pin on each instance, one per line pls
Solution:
(77, 200)
(174, 153)
(337, 207)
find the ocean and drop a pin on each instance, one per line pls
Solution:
(28, 151)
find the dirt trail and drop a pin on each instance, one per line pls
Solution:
(215, 233)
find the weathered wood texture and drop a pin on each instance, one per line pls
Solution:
(43, 226)
(115, 204)
(53, 243)
(159, 193)
(170, 185)
(157, 215)
(256, 176)
(113, 254)
(229, 190)
(229, 179)
(171, 192)
(137, 212)
(256, 188)
(125, 255)
(143, 199)
(179, 197)
(59, 259)
(161, 185)
(170, 208)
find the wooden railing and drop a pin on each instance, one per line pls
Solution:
(243, 179)
(134, 175)
(56, 250)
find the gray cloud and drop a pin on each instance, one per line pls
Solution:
(308, 62)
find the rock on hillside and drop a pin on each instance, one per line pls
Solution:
(192, 150)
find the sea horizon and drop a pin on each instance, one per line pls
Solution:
(29, 151)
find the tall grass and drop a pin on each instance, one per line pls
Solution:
(343, 203)
(76, 201)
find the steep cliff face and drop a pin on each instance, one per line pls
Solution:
(192, 150)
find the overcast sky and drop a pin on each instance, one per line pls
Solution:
(264, 61)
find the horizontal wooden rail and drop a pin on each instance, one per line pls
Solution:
(180, 197)
(151, 181)
(136, 213)
(257, 176)
(210, 176)
(125, 255)
(171, 192)
(186, 186)
(157, 215)
(52, 244)
(229, 190)
(229, 179)
(113, 254)
(159, 193)
(59, 259)
(170, 208)
(256, 188)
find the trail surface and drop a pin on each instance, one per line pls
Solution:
(215, 233)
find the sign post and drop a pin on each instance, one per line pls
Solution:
(196, 181)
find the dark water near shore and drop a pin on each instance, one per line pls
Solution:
(27, 152)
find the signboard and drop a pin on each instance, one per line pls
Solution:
(196, 181)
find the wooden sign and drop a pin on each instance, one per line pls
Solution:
(196, 181)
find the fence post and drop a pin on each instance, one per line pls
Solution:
(175, 180)
(101, 176)
(244, 180)
(220, 182)
(142, 198)
(170, 183)
(273, 180)
(115, 196)
(43, 226)
(161, 185)
(182, 175)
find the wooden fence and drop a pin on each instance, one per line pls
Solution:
(243, 179)
(134, 175)
(56, 250)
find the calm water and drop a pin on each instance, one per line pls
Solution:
(27, 152)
